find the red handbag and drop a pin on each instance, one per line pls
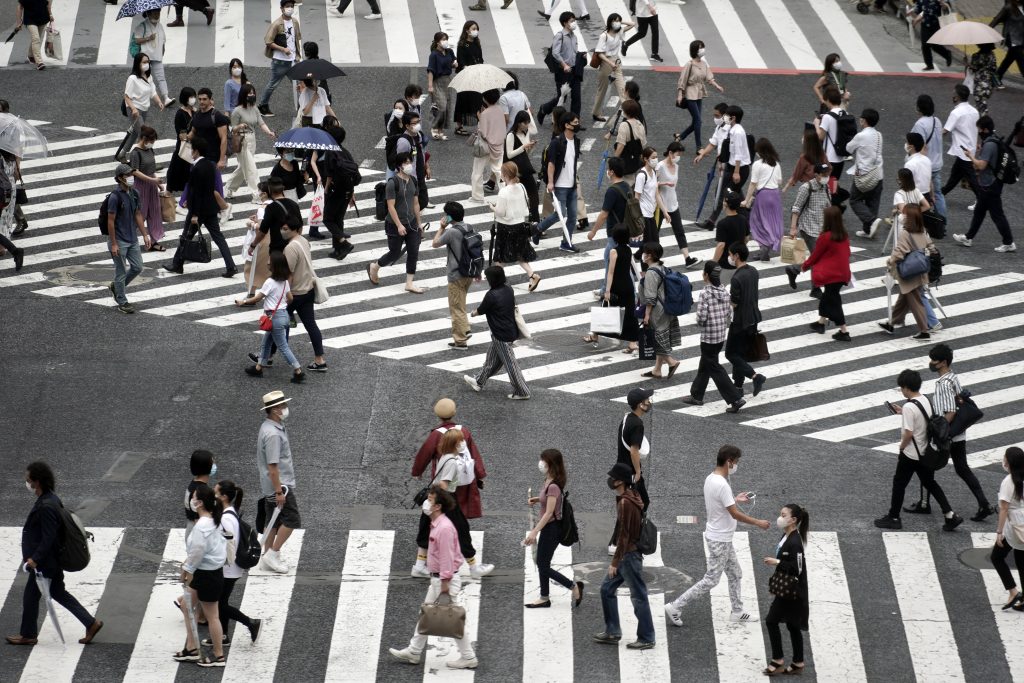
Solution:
(267, 321)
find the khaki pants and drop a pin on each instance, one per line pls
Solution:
(912, 302)
(606, 71)
(457, 292)
(246, 172)
(37, 35)
(483, 166)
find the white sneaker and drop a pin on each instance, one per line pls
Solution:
(272, 561)
(464, 663)
(971, 207)
(480, 570)
(877, 223)
(405, 655)
(420, 571)
(611, 550)
(471, 381)
(743, 617)
(861, 233)
(371, 17)
(1006, 248)
(936, 327)
(517, 397)
(674, 615)
(962, 239)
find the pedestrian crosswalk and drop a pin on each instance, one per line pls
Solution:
(817, 387)
(371, 604)
(772, 34)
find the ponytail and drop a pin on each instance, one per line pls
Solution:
(803, 520)
(232, 492)
(204, 494)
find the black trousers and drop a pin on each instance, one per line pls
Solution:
(736, 346)
(642, 24)
(830, 305)
(410, 243)
(962, 170)
(928, 29)
(212, 225)
(304, 306)
(547, 544)
(796, 638)
(7, 244)
(990, 203)
(677, 227)
(999, 554)
(905, 471)
(575, 86)
(958, 454)
(1014, 53)
(59, 594)
(727, 185)
(461, 525)
(224, 609)
(711, 369)
(335, 206)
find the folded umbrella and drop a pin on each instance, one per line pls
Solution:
(133, 8)
(21, 139)
(190, 610)
(707, 187)
(307, 138)
(480, 78)
(318, 69)
(14, 32)
(44, 588)
(966, 33)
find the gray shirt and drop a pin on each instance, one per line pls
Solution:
(273, 448)
(451, 239)
(990, 153)
(404, 194)
(930, 130)
(563, 47)
(448, 473)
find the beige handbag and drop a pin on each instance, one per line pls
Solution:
(524, 331)
(443, 620)
(168, 206)
(185, 152)
(793, 250)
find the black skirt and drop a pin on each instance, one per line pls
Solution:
(512, 243)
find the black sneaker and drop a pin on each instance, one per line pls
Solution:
(735, 406)
(817, 327)
(791, 273)
(706, 224)
(887, 327)
(459, 347)
(918, 508)
(19, 259)
(254, 371)
(126, 308)
(603, 637)
(841, 336)
(317, 367)
(298, 377)
(758, 382)
(265, 110)
(815, 292)
(982, 513)
(888, 522)
(952, 523)
(691, 401)
(535, 237)
(569, 248)
(641, 644)
(254, 629)
(922, 336)
(256, 359)
(691, 261)
(656, 58)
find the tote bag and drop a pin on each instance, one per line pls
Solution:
(606, 319)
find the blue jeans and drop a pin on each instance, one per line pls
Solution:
(631, 572)
(693, 106)
(928, 311)
(609, 245)
(566, 196)
(131, 253)
(278, 70)
(940, 199)
(278, 335)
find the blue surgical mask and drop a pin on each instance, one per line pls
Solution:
(288, 156)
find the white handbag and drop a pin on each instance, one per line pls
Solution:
(320, 293)
(606, 319)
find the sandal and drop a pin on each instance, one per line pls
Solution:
(590, 339)
(774, 668)
(217, 661)
(369, 274)
(441, 136)
(534, 281)
(672, 370)
(157, 247)
(461, 131)
(185, 655)
(629, 349)
(650, 373)
(794, 670)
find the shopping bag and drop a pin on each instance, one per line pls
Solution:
(197, 248)
(524, 331)
(185, 152)
(167, 210)
(316, 208)
(947, 18)
(793, 250)
(646, 342)
(606, 319)
(54, 50)
(320, 293)
(443, 620)
(969, 79)
(758, 351)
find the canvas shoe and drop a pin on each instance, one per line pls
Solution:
(478, 571)
(419, 571)
(406, 655)
(674, 615)
(471, 381)
(272, 562)
(743, 618)
(464, 663)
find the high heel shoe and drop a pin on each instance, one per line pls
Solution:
(579, 586)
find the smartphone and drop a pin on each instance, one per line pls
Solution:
(891, 407)
(964, 148)
(751, 495)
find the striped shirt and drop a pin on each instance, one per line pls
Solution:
(947, 388)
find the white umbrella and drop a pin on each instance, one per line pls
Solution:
(44, 588)
(480, 78)
(21, 139)
(966, 33)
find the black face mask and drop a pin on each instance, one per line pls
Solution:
(250, 99)
(611, 483)
(934, 367)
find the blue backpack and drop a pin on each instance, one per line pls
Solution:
(678, 293)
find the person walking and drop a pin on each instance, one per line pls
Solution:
(746, 315)
(518, 146)
(124, 217)
(919, 165)
(667, 174)
(1011, 511)
(414, 142)
(915, 413)
(666, 325)
(9, 207)
(626, 566)
(907, 195)
(548, 532)
(451, 234)
(620, 291)
(512, 230)
(989, 188)
(610, 70)
(563, 158)
(211, 126)
(40, 544)
(632, 447)
(812, 155)
(926, 15)
(791, 610)
(439, 73)
(646, 18)
(929, 127)
(512, 101)
(866, 192)
(204, 206)
(962, 125)
(194, 5)
(289, 172)
(692, 88)
(275, 292)
(716, 144)
(202, 572)
(230, 496)
(20, 222)
(983, 67)
(829, 264)
(808, 214)
(733, 228)
(722, 515)
(832, 76)
(202, 468)
(491, 130)
(765, 200)
(283, 47)
(342, 178)
(714, 313)
(911, 238)
(563, 53)
(277, 480)
(302, 287)
(1011, 16)
(142, 159)
(826, 125)
(178, 169)
(645, 189)
(499, 305)
(401, 225)
(35, 14)
(245, 121)
(233, 86)
(613, 212)
(630, 139)
(139, 94)
(443, 563)
(152, 41)
(374, 9)
(468, 52)
(314, 104)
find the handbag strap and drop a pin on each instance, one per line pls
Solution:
(283, 294)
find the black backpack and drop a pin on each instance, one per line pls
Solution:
(647, 542)
(631, 152)
(342, 168)
(1007, 170)
(380, 207)
(391, 149)
(936, 452)
(846, 128)
(101, 221)
(73, 550)
(471, 259)
(247, 545)
(570, 532)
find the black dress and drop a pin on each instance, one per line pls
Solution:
(293, 179)
(178, 170)
(467, 104)
(791, 561)
(623, 293)
(527, 175)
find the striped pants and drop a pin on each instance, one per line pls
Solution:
(500, 354)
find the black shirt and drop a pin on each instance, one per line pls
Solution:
(499, 307)
(35, 12)
(615, 203)
(205, 125)
(743, 290)
(730, 229)
(632, 432)
(40, 537)
(201, 201)
(274, 216)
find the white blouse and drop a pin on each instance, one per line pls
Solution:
(765, 177)
(140, 91)
(511, 207)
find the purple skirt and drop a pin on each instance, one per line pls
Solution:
(149, 197)
(766, 218)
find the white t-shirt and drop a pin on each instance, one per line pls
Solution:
(229, 525)
(738, 147)
(917, 422)
(1015, 511)
(273, 292)
(609, 44)
(717, 499)
(566, 177)
(319, 110)
(765, 177)
(1006, 493)
(668, 192)
(643, 9)
(921, 167)
(962, 124)
(140, 91)
(720, 135)
(829, 125)
(289, 32)
(646, 184)
(903, 197)
(154, 49)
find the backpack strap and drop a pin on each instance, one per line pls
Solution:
(913, 439)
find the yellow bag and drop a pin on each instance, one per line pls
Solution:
(793, 251)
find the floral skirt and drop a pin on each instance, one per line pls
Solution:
(512, 243)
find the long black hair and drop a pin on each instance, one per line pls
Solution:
(235, 61)
(803, 519)
(137, 66)
(1015, 461)
(232, 492)
(204, 494)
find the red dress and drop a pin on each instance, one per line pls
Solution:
(468, 497)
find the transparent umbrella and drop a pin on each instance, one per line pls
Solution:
(21, 139)
(44, 588)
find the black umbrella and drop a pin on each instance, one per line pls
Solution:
(318, 69)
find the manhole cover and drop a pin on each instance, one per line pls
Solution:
(573, 339)
(658, 579)
(88, 275)
(978, 558)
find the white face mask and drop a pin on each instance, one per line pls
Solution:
(1006, 468)
(700, 52)
(443, 44)
(145, 67)
(427, 507)
(288, 11)
(407, 169)
(417, 128)
(719, 120)
(782, 523)
(398, 113)
(572, 25)
(474, 33)
(194, 504)
(236, 71)
(653, 161)
(28, 485)
(732, 261)
(732, 468)
(542, 466)
(191, 101)
(129, 181)
(909, 149)
(837, 65)
(284, 413)
(616, 26)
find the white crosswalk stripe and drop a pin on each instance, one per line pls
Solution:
(828, 391)
(374, 583)
(803, 31)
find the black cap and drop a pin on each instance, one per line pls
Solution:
(620, 471)
(822, 168)
(637, 396)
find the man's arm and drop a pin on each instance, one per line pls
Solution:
(222, 133)
(745, 518)
(49, 524)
